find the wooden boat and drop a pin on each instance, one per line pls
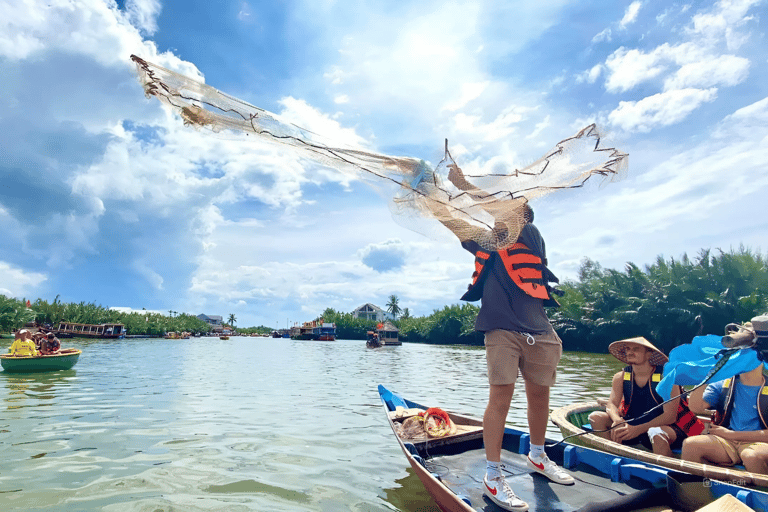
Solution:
(571, 418)
(388, 334)
(223, 337)
(372, 340)
(75, 330)
(64, 360)
(326, 332)
(451, 469)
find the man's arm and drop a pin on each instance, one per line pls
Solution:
(696, 401)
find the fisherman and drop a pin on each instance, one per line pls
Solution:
(23, 346)
(739, 430)
(632, 415)
(512, 284)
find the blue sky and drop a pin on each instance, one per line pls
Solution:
(106, 197)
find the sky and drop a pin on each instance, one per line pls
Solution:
(106, 197)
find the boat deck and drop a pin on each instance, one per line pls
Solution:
(463, 473)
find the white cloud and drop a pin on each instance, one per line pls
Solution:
(627, 68)
(662, 109)
(630, 15)
(591, 75)
(724, 70)
(17, 282)
(143, 14)
(683, 202)
(153, 278)
(604, 35)
(724, 21)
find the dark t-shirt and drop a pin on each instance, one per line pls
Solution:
(503, 304)
(642, 402)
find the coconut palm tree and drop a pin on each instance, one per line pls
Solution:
(232, 319)
(393, 306)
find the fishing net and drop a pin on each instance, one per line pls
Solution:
(486, 206)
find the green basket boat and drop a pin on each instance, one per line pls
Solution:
(64, 360)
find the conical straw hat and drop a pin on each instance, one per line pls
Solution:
(619, 350)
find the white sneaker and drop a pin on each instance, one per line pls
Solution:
(499, 492)
(550, 470)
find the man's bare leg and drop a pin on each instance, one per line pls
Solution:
(495, 419)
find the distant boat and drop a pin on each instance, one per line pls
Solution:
(64, 360)
(223, 337)
(75, 330)
(326, 332)
(373, 340)
(388, 334)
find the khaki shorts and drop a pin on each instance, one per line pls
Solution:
(535, 356)
(734, 449)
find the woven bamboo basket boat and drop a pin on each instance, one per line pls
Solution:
(571, 418)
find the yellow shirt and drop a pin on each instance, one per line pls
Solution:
(23, 348)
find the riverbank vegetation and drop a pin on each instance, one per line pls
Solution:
(668, 302)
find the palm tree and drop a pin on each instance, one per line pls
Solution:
(392, 305)
(232, 319)
(406, 314)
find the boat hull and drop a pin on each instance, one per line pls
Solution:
(451, 470)
(570, 418)
(63, 361)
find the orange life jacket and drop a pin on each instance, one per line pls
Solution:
(523, 267)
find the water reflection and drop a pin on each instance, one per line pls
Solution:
(409, 495)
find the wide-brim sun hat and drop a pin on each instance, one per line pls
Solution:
(619, 350)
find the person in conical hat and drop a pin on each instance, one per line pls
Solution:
(634, 414)
(739, 430)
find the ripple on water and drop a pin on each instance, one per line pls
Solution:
(248, 424)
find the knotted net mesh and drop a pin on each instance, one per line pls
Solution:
(486, 207)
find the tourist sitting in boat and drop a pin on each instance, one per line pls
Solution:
(38, 338)
(23, 345)
(51, 345)
(632, 416)
(739, 430)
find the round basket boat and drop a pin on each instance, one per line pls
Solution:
(64, 360)
(571, 418)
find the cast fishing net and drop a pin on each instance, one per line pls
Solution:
(485, 206)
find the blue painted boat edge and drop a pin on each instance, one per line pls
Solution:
(619, 469)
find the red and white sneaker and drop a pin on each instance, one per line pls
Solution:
(499, 492)
(550, 470)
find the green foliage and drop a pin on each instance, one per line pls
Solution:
(13, 314)
(669, 302)
(393, 306)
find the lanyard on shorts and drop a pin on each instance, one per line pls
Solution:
(529, 339)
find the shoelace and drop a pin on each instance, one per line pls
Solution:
(507, 491)
(551, 467)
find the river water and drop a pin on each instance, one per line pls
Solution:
(260, 424)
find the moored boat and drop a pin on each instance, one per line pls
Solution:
(75, 330)
(451, 470)
(572, 418)
(64, 360)
(327, 332)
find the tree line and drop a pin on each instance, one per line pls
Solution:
(15, 313)
(668, 302)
